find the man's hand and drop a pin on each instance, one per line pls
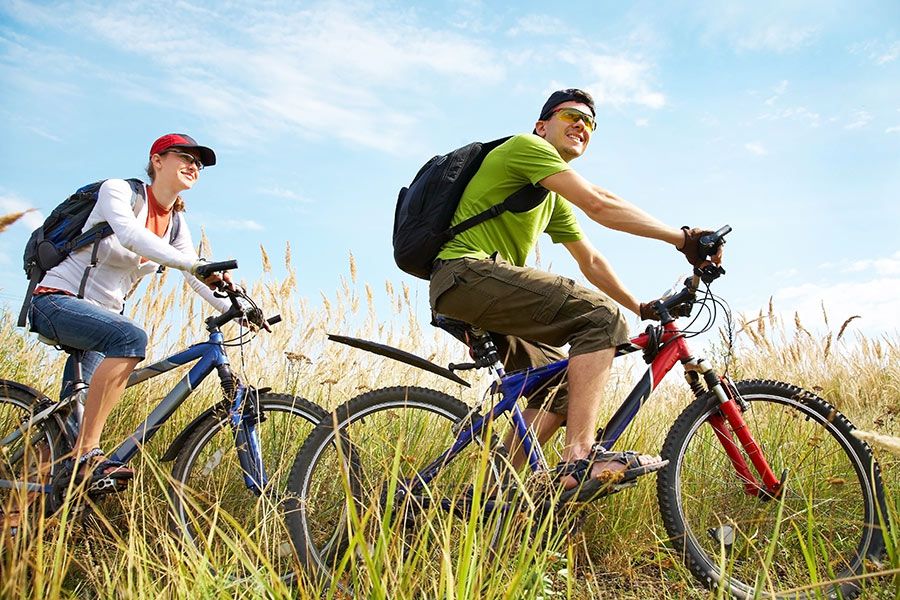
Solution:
(693, 251)
(648, 312)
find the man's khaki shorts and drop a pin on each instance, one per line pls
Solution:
(530, 304)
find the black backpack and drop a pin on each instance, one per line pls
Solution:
(61, 234)
(425, 209)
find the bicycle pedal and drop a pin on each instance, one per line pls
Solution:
(107, 485)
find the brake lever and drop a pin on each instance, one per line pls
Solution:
(709, 272)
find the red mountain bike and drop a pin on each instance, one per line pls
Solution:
(766, 492)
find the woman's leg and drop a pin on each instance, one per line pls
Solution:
(107, 386)
(80, 324)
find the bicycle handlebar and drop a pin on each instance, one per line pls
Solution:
(247, 309)
(207, 269)
(672, 306)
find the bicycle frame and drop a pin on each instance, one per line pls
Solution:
(209, 355)
(672, 348)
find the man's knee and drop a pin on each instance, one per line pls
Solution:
(605, 327)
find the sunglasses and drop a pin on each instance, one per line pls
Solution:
(572, 115)
(188, 158)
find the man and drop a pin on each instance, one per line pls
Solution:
(480, 277)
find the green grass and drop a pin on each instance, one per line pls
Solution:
(125, 548)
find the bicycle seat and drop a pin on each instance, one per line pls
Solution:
(459, 329)
(55, 343)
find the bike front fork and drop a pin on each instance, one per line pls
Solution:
(729, 423)
(245, 416)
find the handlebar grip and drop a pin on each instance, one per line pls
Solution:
(205, 270)
(710, 241)
(274, 320)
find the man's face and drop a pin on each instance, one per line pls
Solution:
(569, 139)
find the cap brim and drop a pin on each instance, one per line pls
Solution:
(207, 156)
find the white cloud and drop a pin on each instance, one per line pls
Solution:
(777, 37)
(801, 113)
(279, 192)
(320, 72)
(762, 26)
(537, 25)
(889, 265)
(642, 122)
(868, 288)
(11, 203)
(895, 129)
(618, 80)
(878, 51)
(778, 92)
(858, 120)
(236, 225)
(875, 301)
(756, 148)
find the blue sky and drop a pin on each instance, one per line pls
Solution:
(780, 118)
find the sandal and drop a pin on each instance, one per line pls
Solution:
(12, 522)
(609, 481)
(106, 475)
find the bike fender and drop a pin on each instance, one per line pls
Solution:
(6, 383)
(182, 437)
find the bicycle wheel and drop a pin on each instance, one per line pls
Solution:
(823, 527)
(356, 492)
(215, 510)
(29, 461)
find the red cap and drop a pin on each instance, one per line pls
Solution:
(181, 140)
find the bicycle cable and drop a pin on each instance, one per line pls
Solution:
(710, 319)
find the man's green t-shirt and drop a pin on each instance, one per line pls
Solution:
(521, 160)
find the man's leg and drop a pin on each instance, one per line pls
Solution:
(546, 407)
(553, 310)
(588, 375)
(544, 424)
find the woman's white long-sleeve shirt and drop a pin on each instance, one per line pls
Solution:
(119, 256)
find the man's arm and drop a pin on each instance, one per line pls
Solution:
(609, 210)
(598, 271)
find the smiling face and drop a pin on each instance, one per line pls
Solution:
(569, 139)
(176, 168)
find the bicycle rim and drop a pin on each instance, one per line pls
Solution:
(361, 504)
(215, 510)
(30, 460)
(820, 530)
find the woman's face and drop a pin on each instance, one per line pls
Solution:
(178, 168)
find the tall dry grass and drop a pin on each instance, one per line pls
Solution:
(126, 550)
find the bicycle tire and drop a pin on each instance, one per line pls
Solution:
(32, 459)
(381, 444)
(207, 480)
(831, 511)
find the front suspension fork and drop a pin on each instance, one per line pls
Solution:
(244, 416)
(729, 422)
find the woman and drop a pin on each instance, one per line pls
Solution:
(140, 243)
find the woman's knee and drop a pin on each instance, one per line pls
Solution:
(129, 341)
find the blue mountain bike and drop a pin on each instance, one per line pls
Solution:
(233, 458)
(766, 490)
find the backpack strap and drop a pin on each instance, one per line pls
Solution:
(522, 200)
(101, 230)
(33, 278)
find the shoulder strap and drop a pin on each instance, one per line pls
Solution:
(101, 230)
(522, 200)
(33, 279)
(174, 228)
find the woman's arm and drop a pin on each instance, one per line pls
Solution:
(114, 207)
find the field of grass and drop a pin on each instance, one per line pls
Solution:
(125, 548)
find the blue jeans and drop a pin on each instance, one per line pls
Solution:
(79, 324)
